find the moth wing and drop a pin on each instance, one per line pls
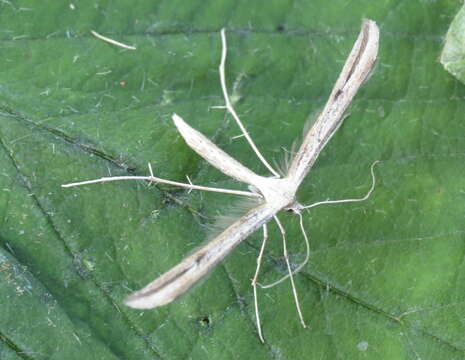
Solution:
(194, 267)
(355, 71)
(213, 154)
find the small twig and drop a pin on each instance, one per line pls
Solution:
(111, 41)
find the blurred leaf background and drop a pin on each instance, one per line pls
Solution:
(386, 276)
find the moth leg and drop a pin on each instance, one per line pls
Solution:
(228, 106)
(367, 195)
(286, 257)
(300, 267)
(156, 180)
(254, 282)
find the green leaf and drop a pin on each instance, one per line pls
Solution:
(385, 278)
(453, 53)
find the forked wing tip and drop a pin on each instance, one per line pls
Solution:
(142, 301)
(371, 26)
(135, 302)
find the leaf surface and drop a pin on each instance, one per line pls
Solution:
(385, 278)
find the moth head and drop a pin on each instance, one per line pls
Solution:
(294, 208)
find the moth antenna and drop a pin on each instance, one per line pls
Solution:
(304, 233)
(365, 197)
